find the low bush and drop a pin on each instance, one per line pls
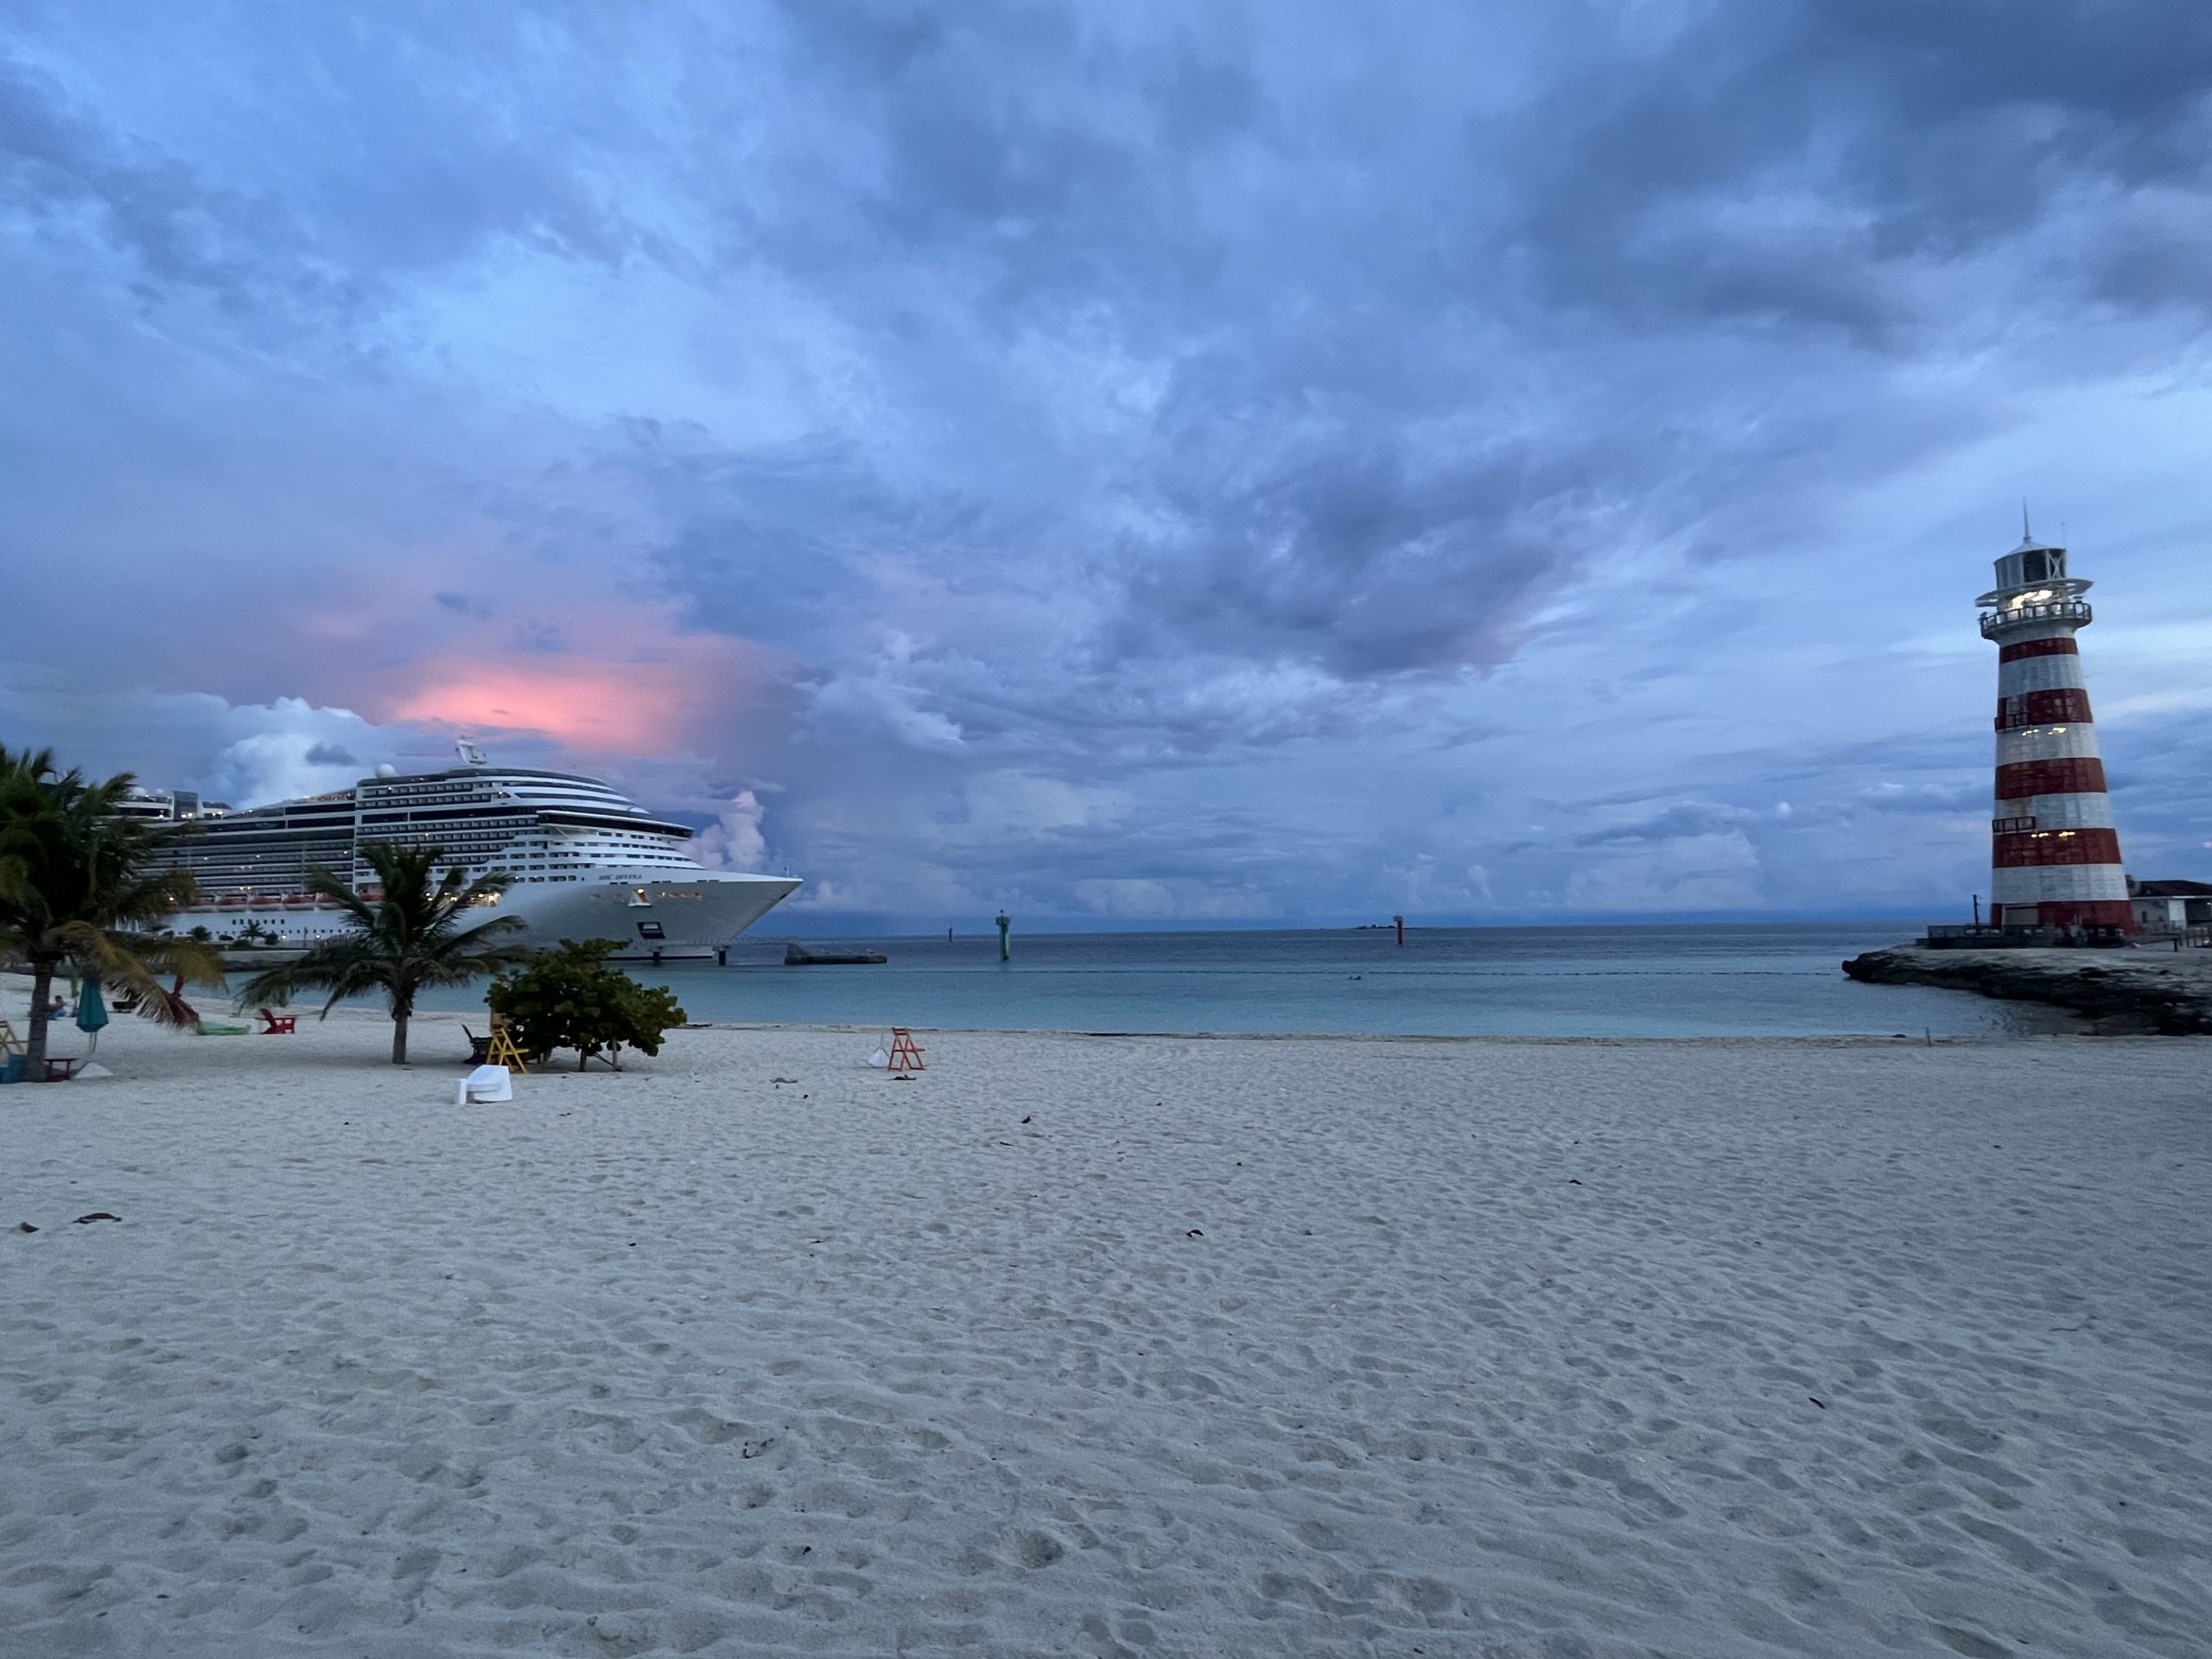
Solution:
(568, 997)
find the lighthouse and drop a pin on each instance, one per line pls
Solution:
(2054, 852)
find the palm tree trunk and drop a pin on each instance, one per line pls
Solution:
(34, 1042)
(398, 1038)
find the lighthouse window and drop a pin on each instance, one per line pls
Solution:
(2034, 568)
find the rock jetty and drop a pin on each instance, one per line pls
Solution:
(2145, 990)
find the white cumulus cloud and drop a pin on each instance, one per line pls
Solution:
(734, 841)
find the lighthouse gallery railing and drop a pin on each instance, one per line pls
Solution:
(2057, 610)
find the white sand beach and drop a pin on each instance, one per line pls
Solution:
(1111, 1346)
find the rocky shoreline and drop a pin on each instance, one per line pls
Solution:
(2168, 992)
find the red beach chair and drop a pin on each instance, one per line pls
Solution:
(278, 1025)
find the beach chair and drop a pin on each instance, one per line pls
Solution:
(905, 1056)
(486, 1082)
(181, 1013)
(201, 1024)
(10, 1043)
(480, 1048)
(278, 1025)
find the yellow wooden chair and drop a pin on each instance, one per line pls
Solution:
(501, 1051)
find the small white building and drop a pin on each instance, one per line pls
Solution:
(2160, 914)
(2169, 906)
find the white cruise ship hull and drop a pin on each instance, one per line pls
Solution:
(652, 918)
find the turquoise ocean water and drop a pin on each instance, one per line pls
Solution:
(1743, 979)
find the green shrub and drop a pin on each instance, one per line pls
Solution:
(568, 997)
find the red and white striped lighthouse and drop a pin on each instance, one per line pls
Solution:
(2055, 854)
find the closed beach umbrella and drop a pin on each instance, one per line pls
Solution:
(91, 1012)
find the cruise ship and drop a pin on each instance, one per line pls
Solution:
(583, 861)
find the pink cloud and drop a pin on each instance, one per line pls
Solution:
(657, 700)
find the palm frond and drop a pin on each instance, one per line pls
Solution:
(77, 889)
(417, 932)
(344, 967)
(131, 964)
(186, 959)
(154, 898)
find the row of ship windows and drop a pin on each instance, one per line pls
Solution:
(578, 859)
(372, 825)
(418, 836)
(510, 804)
(262, 884)
(480, 793)
(574, 851)
(213, 870)
(248, 837)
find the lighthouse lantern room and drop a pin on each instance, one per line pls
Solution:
(2054, 851)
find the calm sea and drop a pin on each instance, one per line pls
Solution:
(1753, 980)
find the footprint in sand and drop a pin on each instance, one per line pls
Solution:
(1038, 1549)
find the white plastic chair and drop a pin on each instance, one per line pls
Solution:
(486, 1082)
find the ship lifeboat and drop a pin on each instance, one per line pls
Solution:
(232, 901)
(298, 900)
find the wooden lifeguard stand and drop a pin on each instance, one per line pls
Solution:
(501, 1049)
(905, 1056)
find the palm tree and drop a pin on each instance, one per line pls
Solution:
(75, 892)
(419, 934)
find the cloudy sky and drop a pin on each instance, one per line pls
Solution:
(1127, 462)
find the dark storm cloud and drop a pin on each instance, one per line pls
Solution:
(1054, 142)
(1077, 184)
(1340, 552)
(771, 537)
(402, 165)
(1784, 162)
(1369, 395)
(173, 230)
